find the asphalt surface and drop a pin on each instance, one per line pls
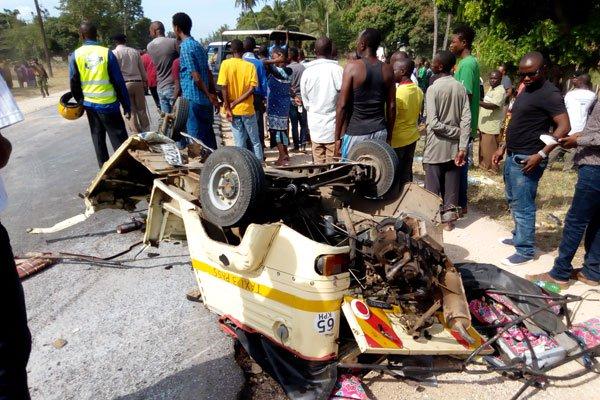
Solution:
(130, 332)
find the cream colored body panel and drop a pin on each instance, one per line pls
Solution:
(266, 282)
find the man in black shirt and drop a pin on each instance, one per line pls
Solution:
(535, 110)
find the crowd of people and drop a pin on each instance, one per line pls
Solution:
(31, 74)
(272, 89)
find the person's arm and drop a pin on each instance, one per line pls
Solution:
(434, 124)
(270, 61)
(465, 134)
(142, 69)
(192, 63)
(390, 103)
(250, 91)
(223, 82)
(5, 151)
(243, 97)
(592, 132)
(488, 106)
(343, 104)
(304, 91)
(75, 80)
(116, 78)
(562, 128)
(175, 75)
(497, 100)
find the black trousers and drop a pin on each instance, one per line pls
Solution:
(154, 93)
(100, 125)
(405, 155)
(298, 118)
(15, 338)
(443, 179)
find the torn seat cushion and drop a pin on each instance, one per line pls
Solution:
(478, 278)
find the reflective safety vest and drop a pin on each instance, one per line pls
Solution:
(92, 63)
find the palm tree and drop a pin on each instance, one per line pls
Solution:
(447, 34)
(435, 28)
(248, 5)
(322, 9)
(279, 16)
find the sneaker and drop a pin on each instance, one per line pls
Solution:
(546, 277)
(516, 259)
(506, 241)
(579, 276)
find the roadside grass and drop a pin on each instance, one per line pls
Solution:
(554, 197)
(58, 83)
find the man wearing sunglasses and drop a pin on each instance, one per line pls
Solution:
(538, 107)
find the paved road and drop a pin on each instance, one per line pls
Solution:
(130, 332)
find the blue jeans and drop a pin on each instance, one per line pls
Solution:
(464, 177)
(583, 216)
(200, 124)
(244, 127)
(349, 141)
(165, 97)
(521, 190)
(297, 117)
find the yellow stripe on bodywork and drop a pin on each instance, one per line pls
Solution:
(270, 293)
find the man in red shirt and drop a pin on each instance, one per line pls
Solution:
(151, 73)
(175, 74)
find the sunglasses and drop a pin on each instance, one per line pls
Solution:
(529, 74)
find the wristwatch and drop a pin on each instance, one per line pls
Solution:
(542, 154)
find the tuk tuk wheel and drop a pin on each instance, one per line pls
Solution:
(180, 117)
(231, 182)
(385, 162)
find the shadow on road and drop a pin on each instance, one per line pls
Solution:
(210, 380)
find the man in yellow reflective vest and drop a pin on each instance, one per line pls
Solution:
(97, 83)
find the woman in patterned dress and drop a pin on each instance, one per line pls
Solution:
(278, 102)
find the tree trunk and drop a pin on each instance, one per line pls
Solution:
(446, 35)
(46, 52)
(255, 18)
(435, 29)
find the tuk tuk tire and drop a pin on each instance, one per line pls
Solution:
(384, 159)
(231, 184)
(180, 116)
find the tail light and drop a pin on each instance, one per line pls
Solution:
(332, 264)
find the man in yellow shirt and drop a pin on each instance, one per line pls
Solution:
(238, 79)
(409, 101)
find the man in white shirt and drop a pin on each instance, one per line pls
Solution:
(320, 87)
(579, 102)
(15, 338)
(135, 78)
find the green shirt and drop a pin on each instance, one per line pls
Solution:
(467, 73)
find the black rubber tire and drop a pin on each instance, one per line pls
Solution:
(251, 177)
(383, 158)
(180, 116)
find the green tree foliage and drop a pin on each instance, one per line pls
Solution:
(408, 22)
(110, 16)
(401, 21)
(568, 32)
(216, 35)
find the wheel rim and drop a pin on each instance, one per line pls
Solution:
(366, 159)
(224, 187)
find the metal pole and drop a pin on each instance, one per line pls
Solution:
(41, 22)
